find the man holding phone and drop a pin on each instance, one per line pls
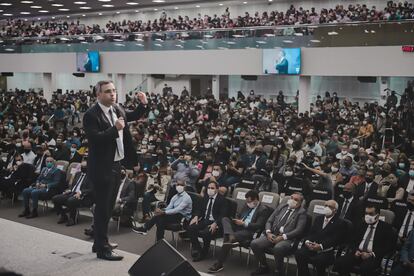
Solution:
(284, 226)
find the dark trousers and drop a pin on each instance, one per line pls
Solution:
(240, 234)
(68, 200)
(321, 260)
(105, 193)
(400, 270)
(161, 221)
(345, 264)
(149, 197)
(200, 230)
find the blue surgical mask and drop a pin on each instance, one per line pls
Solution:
(411, 173)
(49, 164)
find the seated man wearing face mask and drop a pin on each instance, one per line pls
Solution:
(218, 175)
(78, 195)
(350, 207)
(48, 179)
(18, 178)
(286, 224)
(251, 219)
(126, 200)
(206, 222)
(179, 207)
(324, 235)
(372, 240)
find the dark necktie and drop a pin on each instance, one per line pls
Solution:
(111, 116)
(78, 183)
(344, 208)
(247, 214)
(407, 224)
(369, 237)
(285, 217)
(209, 207)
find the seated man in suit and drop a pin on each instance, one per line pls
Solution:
(238, 230)
(324, 235)
(371, 241)
(350, 207)
(368, 187)
(405, 266)
(19, 177)
(286, 224)
(179, 207)
(79, 195)
(206, 222)
(404, 217)
(126, 200)
(48, 179)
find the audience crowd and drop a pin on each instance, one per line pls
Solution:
(293, 16)
(200, 153)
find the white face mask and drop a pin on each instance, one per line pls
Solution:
(288, 173)
(327, 211)
(215, 173)
(194, 143)
(370, 219)
(291, 203)
(179, 189)
(18, 163)
(344, 152)
(334, 169)
(207, 146)
(211, 192)
(251, 205)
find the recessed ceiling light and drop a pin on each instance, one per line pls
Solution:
(107, 6)
(25, 19)
(155, 9)
(100, 13)
(245, 2)
(79, 3)
(85, 8)
(57, 5)
(67, 16)
(158, 1)
(175, 8)
(25, 13)
(26, 2)
(7, 14)
(197, 6)
(221, 4)
(104, 0)
(83, 15)
(64, 9)
(38, 18)
(118, 12)
(5, 4)
(43, 11)
(53, 17)
(132, 3)
(136, 10)
(36, 7)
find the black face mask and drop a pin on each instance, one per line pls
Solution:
(26, 150)
(368, 179)
(84, 169)
(347, 194)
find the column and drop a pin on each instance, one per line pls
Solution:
(215, 86)
(120, 87)
(304, 93)
(383, 88)
(49, 85)
(150, 84)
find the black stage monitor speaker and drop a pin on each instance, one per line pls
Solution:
(249, 78)
(367, 79)
(79, 75)
(7, 74)
(162, 260)
(158, 76)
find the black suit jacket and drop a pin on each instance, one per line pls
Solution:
(360, 189)
(85, 186)
(259, 218)
(128, 194)
(384, 239)
(102, 140)
(219, 210)
(329, 236)
(355, 212)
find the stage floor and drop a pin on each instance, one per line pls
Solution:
(29, 250)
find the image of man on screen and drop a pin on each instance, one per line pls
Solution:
(282, 63)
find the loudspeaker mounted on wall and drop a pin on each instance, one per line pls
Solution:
(79, 75)
(249, 78)
(169, 262)
(158, 76)
(367, 79)
(7, 74)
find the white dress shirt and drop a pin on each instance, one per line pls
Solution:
(118, 197)
(371, 242)
(410, 185)
(211, 218)
(119, 153)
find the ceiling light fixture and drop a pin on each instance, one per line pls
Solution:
(85, 8)
(107, 6)
(43, 11)
(104, 0)
(36, 7)
(24, 12)
(132, 3)
(158, 1)
(26, 2)
(57, 5)
(64, 9)
(6, 4)
(79, 3)
(7, 14)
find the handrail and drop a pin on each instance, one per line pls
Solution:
(251, 28)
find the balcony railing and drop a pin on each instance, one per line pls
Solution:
(351, 34)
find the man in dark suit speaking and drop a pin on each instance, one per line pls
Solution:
(282, 64)
(110, 144)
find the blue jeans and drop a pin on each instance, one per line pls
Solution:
(34, 194)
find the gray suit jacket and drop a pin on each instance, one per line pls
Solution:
(295, 225)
